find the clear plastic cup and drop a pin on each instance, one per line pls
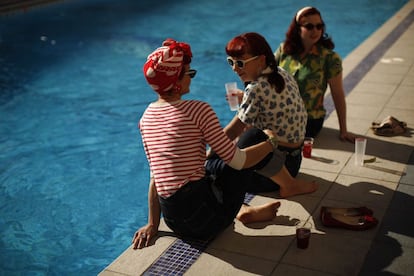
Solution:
(360, 146)
(231, 88)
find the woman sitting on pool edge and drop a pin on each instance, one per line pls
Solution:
(307, 53)
(174, 134)
(271, 100)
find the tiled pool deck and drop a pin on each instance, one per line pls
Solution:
(379, 76)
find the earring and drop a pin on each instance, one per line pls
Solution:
(177, 88)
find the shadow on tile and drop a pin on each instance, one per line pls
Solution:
(328, 139)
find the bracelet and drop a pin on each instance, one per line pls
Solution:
(273, 141)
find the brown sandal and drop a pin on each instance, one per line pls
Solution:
(390, 126)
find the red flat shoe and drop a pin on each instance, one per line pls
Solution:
(356, 223)
(353, 211)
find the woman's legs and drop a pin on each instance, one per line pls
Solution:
(232, 184)
(289, 186)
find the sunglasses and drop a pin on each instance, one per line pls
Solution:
(240, 63)
(191, 73)
(310, 26)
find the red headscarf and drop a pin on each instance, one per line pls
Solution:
(164, 65)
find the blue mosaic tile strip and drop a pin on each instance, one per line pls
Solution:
(248, 197)
(178, 258)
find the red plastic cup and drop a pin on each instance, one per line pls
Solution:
(303, 233)
(307, 147)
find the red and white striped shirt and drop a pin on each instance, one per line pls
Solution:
(175, 136)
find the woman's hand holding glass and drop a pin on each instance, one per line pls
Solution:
(238, 93)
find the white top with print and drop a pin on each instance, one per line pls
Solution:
(284, 112)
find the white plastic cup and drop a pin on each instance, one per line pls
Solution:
(231, 87)
(360, 146)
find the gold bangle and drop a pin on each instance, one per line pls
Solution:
(273, 141)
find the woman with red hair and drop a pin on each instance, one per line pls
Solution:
(307, 54)
(271, 100)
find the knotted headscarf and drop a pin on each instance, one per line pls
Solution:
(163, 66)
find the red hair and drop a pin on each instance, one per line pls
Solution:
(256, 45)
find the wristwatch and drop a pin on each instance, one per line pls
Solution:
(273, 141)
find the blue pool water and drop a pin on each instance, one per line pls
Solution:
(73, 174)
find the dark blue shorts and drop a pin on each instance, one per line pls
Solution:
(202, 209)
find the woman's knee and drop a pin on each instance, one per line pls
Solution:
(251, 137)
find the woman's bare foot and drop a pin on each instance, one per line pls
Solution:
(290, 186)
(298, 187)
(265, 212)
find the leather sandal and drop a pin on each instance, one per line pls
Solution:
(390, 126)
(355, 223)
(353, 211)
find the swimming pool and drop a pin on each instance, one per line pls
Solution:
(73, 175)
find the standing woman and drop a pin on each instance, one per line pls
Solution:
(307, 54)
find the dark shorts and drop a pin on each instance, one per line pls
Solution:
(313, 127)
(293, 160)
(202, 209)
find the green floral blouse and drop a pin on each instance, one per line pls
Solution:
(312, 74)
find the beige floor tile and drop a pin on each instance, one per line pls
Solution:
(324, 180)
(270, 246)
(402, 98)
(401, 51)
(360, 111)
(374, 88)
(388, 150)
(379, 170)
(405, 115)
(358, 126)
(296, 270)
(366, 98)
(325, 160)
(329, 140)
(126, 264)
(383, 78)
(391, 66)
(292, 210)
(410, 73)
(329, 253)
(163, 227)
(221, 262)
(268, 240)
(406, 138)
(360, 191)
(326, 176)
(409, 81)
(110, 273)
